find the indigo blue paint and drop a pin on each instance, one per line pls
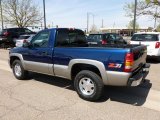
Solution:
(63, 55)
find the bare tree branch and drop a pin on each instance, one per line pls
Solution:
(143, 8)
(21, 13)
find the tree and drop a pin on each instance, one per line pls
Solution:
(131, 23)
(158, 28)
(93, 28)
(21, 13)
(143, 8)
(153, 1)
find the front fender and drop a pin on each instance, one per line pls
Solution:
(17, 55)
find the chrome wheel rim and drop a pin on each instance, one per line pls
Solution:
(18, 70)
(87, 86)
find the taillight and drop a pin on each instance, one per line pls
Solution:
(157, 45)
(129, 59)
(6, 33)
(104, 42)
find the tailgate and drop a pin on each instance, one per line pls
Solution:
(140, 54)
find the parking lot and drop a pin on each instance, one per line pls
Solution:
(47, 98)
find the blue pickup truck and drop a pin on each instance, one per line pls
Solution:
(64, 52)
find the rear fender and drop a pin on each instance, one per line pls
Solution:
(95, 63)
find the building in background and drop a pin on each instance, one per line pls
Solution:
(123, 31)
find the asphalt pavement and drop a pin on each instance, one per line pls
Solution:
(50, 98)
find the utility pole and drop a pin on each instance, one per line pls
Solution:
(1, 14)
(44, 10)
(93, 19)
(135, 12)
(102, 23)
(87, 22)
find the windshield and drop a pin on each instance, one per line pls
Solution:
(145, 37)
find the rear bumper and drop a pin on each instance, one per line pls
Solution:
(139, 78)
(127, 79)
(153, 52)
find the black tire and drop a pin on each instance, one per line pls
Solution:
(3, 45)
(23, 73)
(97, 82)
(158, 59)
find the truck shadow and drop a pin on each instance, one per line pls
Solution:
(152, 61)
(129, 95)
(56, 81)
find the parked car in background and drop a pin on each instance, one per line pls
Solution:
(23, 38)
(105, 38)
(8, 35)
(151, 40)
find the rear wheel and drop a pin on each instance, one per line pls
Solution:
(158, 58)
(19, 71)
(88, 85)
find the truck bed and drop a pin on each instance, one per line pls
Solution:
(113, 45)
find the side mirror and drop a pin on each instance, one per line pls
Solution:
(26, 44)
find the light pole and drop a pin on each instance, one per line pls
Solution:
(44, 11)
(135, 12)
(1, 14)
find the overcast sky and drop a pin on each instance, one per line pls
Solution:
(73, 13)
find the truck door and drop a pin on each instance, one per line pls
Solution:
(38, 57)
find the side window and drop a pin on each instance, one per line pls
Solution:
(112, 37)
(62, 38)
(41, 40)
(106, 37)
(118, 37)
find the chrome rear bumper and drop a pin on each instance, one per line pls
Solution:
(139, 77)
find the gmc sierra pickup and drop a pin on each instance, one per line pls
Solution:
(65, 53)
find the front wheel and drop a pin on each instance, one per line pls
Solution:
(19, 71)
(88, 85)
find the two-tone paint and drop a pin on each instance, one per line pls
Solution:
(58, 61)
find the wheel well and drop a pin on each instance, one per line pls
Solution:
(12, 59)
(79, 67)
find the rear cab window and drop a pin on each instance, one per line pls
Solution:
(145, 37)
(70, 38)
